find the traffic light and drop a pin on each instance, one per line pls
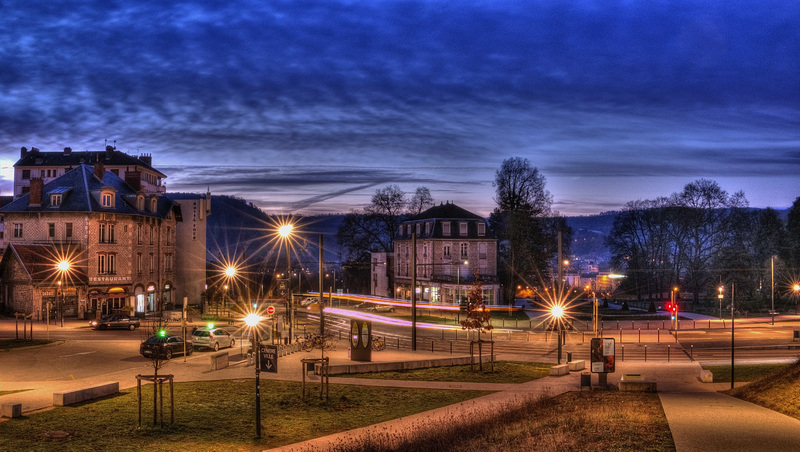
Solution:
(162, 333)
(674, 310)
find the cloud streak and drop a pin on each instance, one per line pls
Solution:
(311, 105)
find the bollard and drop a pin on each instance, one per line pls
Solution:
(662, 324)
(617, 324)
(645, 352)
(398, 342)
(633, 325)
(709, 324)
(583, 337)
(694, 324)
(442, 334)
(691, 353)
(640, 335)
(648, 324)
(620, 335)
(623, 352)
(528, 336)
(431, 346)
(658, 335)
(451, 348)
(668, 348)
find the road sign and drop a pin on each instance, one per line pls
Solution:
(269, 358)
(270, 310)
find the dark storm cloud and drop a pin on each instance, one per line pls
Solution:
(425, 92)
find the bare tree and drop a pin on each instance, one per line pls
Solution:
(421, 201)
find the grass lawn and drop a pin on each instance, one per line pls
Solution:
(6, 344)
(575, 421)
(744, 372)
(220, 415)
(504, 372)
(779, 391)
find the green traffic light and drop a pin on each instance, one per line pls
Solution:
(162, 333)
(210, 326)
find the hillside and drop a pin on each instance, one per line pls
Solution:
(778, 391)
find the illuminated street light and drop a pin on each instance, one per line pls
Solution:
(557, 311)
(63, 266)
(253, 320)
(285, 231)
(230, 272)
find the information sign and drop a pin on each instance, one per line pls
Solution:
(602, 355)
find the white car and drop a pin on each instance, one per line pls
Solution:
(381, 308)
(213, 338)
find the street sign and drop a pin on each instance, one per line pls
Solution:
(269, 358)
(270, 310)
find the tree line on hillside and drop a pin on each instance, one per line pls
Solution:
(523, 221)
(701, 238)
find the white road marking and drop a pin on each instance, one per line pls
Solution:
(77, 354)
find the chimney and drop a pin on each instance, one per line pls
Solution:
(109, 152)
(23, 151)
(147, 159)
(35, 195)
(35, 151)
(99, 170)
(134, 179)
(67, 150)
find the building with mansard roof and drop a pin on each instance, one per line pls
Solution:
(119, 235)
(47, 166)
(453, 247)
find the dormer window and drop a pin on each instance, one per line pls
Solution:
(481, 229)
(140, 202)
(446, 228)
(462, 228)
(55, 200)
(154, 205)
(107, 199)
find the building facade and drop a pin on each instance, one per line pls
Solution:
(453, 245)
(126, 240)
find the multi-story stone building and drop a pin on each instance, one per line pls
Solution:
(452, 246)
(144, 251)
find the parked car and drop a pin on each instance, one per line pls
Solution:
(381, 308)
(164, 346)
(116, 321)
(212, 338)
(363, 306)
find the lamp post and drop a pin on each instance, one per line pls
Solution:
(558, 312)
(63, 266)
(252, 320)
(285, 231)
(772, 286)
(458, 281)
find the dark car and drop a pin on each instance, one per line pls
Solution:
(116, 321)
(164, 347)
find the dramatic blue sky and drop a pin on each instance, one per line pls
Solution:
(310, 106)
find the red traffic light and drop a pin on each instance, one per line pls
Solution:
(669, 306)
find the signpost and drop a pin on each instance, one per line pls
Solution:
(268, 358)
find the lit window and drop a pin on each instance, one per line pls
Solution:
(106, 200)
(55, 200)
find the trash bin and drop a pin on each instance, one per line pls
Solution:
(569, 357)
(586, 379)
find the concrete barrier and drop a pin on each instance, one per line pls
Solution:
(578, 364)
(560, 369)
(219, 360)
(11, 410)
(706, 376)
(84, 394)
(401, 365)
(636, 383)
